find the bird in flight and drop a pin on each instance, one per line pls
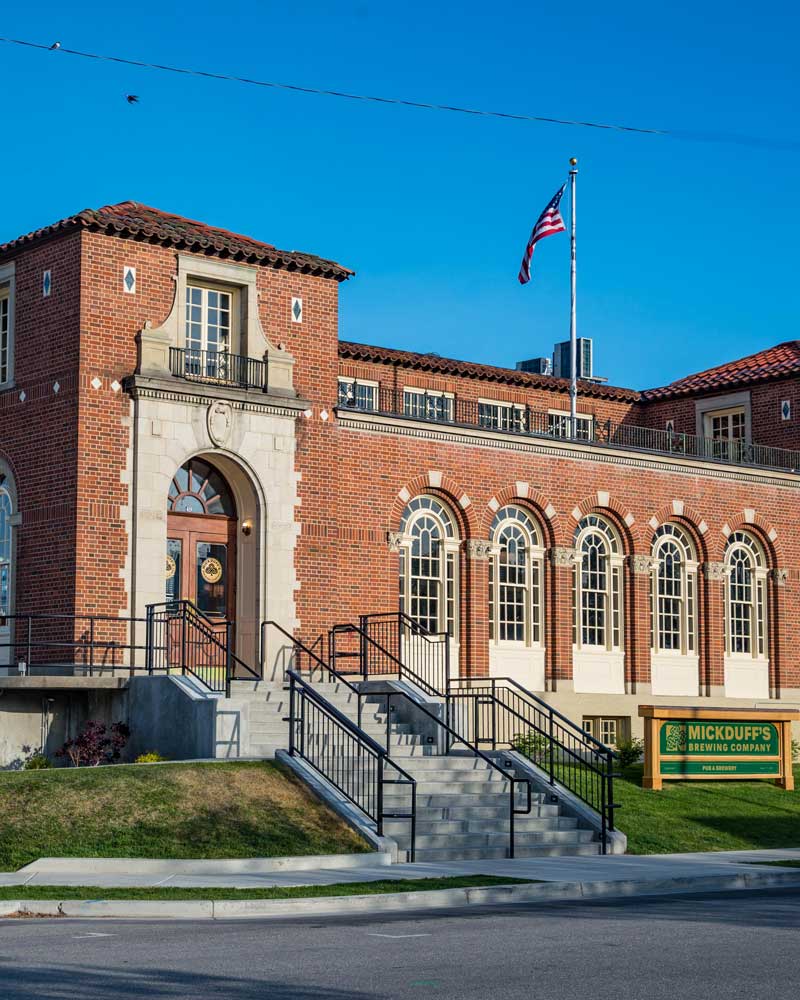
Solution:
(132, 98)
(54, 46)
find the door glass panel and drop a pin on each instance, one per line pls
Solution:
(212, 578)
(173, 569)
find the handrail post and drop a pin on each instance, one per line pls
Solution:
(291, 716)
(413, 820)
(91, 646)
(603, 823)
(511, 820)
(148, 638)
(552, 750)
(183, 639)
(228, 658)
(380, 765)
(30, 643)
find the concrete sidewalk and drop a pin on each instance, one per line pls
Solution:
(263, 873)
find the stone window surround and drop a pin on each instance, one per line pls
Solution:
(155, 342)
(711, 404)
(8, 282)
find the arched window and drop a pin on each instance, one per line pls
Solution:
(197, 488)
(429, 565)
(745, 597)
(673, 592)
(6, 552)
(515, 578)
(597, 586)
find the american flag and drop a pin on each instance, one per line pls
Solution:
(548, 224)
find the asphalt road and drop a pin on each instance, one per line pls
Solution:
(694, 949)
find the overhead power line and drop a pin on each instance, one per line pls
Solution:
(791, 145)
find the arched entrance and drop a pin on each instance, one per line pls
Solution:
(201, 540)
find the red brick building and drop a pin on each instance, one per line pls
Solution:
(172, 390)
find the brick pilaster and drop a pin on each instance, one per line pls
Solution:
(712, 627)
(474, 652)
(637, 622)
(558, 663)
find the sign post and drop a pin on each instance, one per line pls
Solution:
(710, 744)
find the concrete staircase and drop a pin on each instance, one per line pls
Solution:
(251, 722)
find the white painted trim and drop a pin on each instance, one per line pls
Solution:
(704, 408)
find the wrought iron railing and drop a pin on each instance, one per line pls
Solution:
(218, 367)
(500, 713)
(523, 420)
(181, 639)
(425, 654)
(64, 643)
(347, 757)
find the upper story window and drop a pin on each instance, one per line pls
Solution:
(501, 416)
(209, 320)
(597, 586)
(6, 325)
(427, 404)
(516, 573)
(5, 551)
(428, 565)
(358, 395)
(673, 591)
(745, 597)
(558, 425)
(726, 425)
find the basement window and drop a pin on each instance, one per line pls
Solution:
(609, 729)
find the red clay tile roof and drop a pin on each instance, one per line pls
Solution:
(130, 219)
(449, 366)
(781, 361)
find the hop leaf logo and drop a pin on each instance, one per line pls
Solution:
(676, 738)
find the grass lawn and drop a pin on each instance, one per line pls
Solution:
(220, 810)
(706, 815)
(274, 892)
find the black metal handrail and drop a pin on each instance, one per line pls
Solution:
(218, 367)
(180, 637)
(453, 736)
(502, 713)
(395, 630)
(38, 641)
(373, 658)
(521, 419)
(346, 756)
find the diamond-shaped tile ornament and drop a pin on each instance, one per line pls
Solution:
(47, 284)
(22, 396)
(115, 386)
(56, 388)
(324, 415)
(297, 310)
(96, 383)
(786, 409)
(129, 280)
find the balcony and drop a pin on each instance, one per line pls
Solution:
(522, 421)
(218, 368)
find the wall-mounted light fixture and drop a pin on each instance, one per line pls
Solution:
(247, 526)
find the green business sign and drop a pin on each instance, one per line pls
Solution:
(720, 739)
(719, 768)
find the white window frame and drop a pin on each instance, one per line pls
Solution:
(447, 398)
(613, 592)
(594, 725)
(666, 535)
(744, 542)
(229, 345)
(7, 295)
(430, 508)
(714, 406)
(356, 384)
(532, 586)
(506, 416)
(558, 425)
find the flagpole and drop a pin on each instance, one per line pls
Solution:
(573, 334)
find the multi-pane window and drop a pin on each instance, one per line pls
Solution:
(428, 585)
(5, 335)
(608, 729)
(727, 430)
(5, 552)
(515, 578)
(673, 585)
(208, 320)
(597, 585)
(357, 395)
(501, 416)
(427, 405)
(559, 425)
(745, 598)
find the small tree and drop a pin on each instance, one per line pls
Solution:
(96, 744)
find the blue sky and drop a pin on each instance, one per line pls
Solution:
(687, 249)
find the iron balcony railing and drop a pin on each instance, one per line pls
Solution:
(218, 367)
(525, 421)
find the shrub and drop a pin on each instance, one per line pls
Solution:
(34, 760)
(795, 751)
(96, 744)
(151, 757)
(532, 745)
(629, 752)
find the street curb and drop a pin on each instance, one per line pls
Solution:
(429, 899)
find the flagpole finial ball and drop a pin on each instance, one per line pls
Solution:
(573, 162)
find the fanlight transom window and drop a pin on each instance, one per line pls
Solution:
(597, 585)
(673, 592)
(745, 597)
(197, 488)
(515, 578)
(428, 565)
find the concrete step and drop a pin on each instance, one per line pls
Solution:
(523, 824)
(466, 788)
(460, 842)
(525, 851)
